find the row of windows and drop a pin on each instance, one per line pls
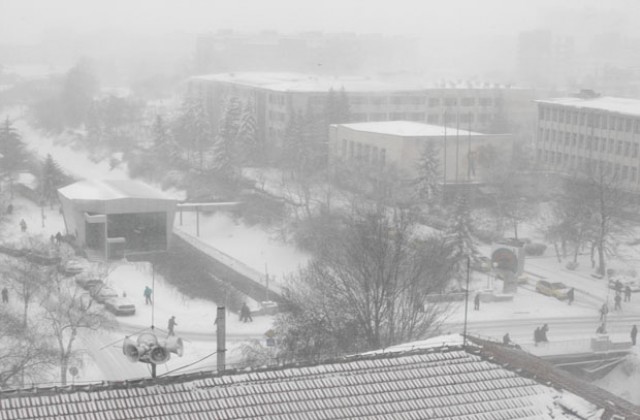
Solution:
(566, 161)
(351, 150)
(276, 99)
(406, 100)
(420, 116)
(597, 144)
(590, 119)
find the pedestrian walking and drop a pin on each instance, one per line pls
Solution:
(602, 329)
(543, 333)
(506, 340)
(245, 313)
(634, 334)
(617, 301)
(23, 225)
(570, 295)
(172, 324)
(476, 302)
(58, 238)
(604, 310)
(627, 293)
(5, 295)
(147, 295)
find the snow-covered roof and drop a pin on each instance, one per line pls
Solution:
(625, 106)
(406, 129)
(111, 190)
(445, 382)
(301, 82)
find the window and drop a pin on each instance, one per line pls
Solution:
(358, 117)
(433, 118)
(434, 102)
(416, 116)
(634, 175)
(379, 100)
(611, 145)
(398, 116)
(629, 125)
(625, 172)
(468, 101)
(367, 153)
(619, 148)
(627, 148)
(350, 150)
(488, 102)
(374, 157)
(383, 156)
(450, 101)
(377, 116)
(358, 100)
(343, 151)
(635, 150)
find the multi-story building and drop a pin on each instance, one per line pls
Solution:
(279, 96)
(590, 131)
(400, 144)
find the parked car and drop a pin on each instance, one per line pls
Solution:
(87, 282)
(482, 264)
(557, 290)
(71, 267)
(101, 294)
(120, 306)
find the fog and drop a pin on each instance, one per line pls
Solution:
(452, 39)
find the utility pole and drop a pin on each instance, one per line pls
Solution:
(466, 303)
(444, 160)
(220, 350)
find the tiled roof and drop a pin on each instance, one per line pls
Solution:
(435, 384)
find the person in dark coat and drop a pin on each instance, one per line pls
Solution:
(59, 238)
(5, 295)
(627, 293)
(602, 329)
(570, 295)
(617, 300)
(245, 313)
(147, 295)
(506, 340)
(604, 310)
(23, 225)
(634, 334)
(172, 324)
(476, 302)
(543, 333)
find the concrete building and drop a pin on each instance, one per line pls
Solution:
(590, 131)
(112, 218)
(400, 143)
(279, 96)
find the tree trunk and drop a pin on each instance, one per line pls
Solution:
(601, 268)
(64, 363)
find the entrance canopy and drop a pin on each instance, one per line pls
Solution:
(116, 216)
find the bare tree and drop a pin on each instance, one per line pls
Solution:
(368, 289)
(24, 352)
(67, 311)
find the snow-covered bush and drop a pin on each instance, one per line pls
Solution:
(572, 265)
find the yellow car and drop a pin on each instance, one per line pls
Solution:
(557, 290)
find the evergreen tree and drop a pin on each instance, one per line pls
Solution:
(51, 178)
(194, 128)
(247, 134)
(225, 150)
(13, 153)
(458, 232)
(77, 93)
(428, 180)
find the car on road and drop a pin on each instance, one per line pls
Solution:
(101, 294)
(87, 282)
(71, 267)
(557, 290)
(120, 306)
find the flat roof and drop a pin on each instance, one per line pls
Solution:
(406, 129)
(301, 82)
(111, 190)
(626, 106)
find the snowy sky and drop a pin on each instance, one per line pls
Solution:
(27, 21)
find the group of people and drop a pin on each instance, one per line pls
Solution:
(540, 334)
(57, 238)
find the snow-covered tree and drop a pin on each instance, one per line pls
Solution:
(428, 181)
(458, 232)
(51, 178)
(194, 131)
(77, 93)
(225, 159)
(247, 134)
(13, 154)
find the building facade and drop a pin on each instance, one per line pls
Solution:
(400, 144)
(277, 97)
(589, 131)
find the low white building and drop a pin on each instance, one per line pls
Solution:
(400, 143)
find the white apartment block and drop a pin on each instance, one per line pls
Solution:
(580, 132)
(278, 96)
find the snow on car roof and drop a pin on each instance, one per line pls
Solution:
(111, 190)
